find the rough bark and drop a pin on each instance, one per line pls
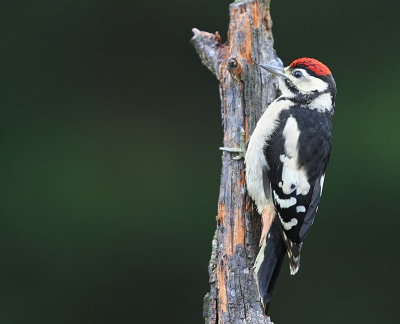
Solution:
(245, 92)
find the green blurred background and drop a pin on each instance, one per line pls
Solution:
(110, 168)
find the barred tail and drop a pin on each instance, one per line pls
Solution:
(293, 251)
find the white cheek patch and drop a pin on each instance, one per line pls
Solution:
(308, 83)
(311, 84)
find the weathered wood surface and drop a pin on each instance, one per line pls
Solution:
(245, 90)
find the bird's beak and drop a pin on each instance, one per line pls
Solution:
(278, 71)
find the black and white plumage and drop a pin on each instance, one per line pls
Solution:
(286, 162)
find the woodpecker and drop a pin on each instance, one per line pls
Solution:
(285, 161)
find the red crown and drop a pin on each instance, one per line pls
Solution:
(314, 65)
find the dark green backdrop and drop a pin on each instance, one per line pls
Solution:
(110, 130)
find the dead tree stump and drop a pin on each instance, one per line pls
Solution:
(245, 90)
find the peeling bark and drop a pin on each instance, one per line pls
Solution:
(245, 90)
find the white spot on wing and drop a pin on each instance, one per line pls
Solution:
(291, 133)
(288, 225)
(300, 209)
(285, 203)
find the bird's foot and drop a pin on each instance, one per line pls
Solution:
(241, 150)
(267, 217)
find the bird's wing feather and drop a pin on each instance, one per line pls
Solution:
(297, 155)
(312, 209)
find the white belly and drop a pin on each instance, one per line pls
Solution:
(255, 159)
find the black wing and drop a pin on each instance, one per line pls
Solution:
(296, 177)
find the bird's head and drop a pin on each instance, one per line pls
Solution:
(305, 80)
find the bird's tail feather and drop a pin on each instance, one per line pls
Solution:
(268, 263)
(293, 251)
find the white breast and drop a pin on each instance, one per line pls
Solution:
(255, 159)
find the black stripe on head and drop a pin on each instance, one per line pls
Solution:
(307, 98)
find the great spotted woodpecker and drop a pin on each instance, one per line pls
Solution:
(286, 160)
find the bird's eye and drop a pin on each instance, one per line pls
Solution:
(297, 74)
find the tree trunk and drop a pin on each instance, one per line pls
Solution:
(245, 90)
